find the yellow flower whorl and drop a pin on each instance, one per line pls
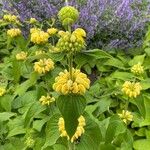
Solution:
(68, 15)
(10, 18)
(77, 85)
(21, 56)
(38, 36)
(2, 91)
(131, 89)
(137, 69)
(32, 20)
(71, 41)
(52, 31)
(43, 65)
(46, 100)
(14, 32)
(79, 131)
(126, 116)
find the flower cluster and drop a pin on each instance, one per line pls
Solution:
(46, 100)
(78, 84)
(14, 32)
(21, 56)
(39, 52)
(72, 42)
(32, 20)
(43, 65)
(131, 89)
(30, 142)
(10, 18)
(137, 69)
(52, 31)
(126, 116)
(38, 36)
(68, 15)
(79, 131)
(2, 91)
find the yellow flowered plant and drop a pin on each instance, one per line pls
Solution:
(137, 69)
(10, 18)
(39, 52)
(43, 65)
(46, 100)
(126, 116)
(79, 131)
(71, 42)
(14, 32)
(39, 37)
(32, 20)
(52, 31)
(21, 56)
(131, 89)
(78, 84)
(33, 30)
(2, 91)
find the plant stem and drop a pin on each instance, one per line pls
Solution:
(66, 1)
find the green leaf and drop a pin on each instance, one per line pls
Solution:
(4, 116)
(22, 88)
(115, 127)
(141, 144)
(122, 75)
(16, 65)
(5, 102)
(52, 132)
(115, 63)
(71, 107)
(98, 54)
(137, 59)
(38, 124)
(92, 137)
(34, 110)
(16, 127)
(25, 99)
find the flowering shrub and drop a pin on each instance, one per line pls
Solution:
(49, 98)
(113, 24)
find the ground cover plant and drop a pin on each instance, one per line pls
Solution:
(58, 94)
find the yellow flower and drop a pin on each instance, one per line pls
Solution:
(71, 41)
(39, 37)
(32, 30)
(10, 18)
(2, 91)
(21, 56)
(79, 131)
(137, 69)
(131, 89)
(39, 52)
(46, 100)
(77, 85)
(61, 125)
(32, 20)
(80, 32)
(52, 31)
(126, 116)
(43, 65)
(14, 32)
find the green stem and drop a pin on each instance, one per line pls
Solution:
(126, 105)
(70, 60)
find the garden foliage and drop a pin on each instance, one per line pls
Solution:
(56, 94)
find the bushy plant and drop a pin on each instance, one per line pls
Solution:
(54, 94)
(109, 24)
